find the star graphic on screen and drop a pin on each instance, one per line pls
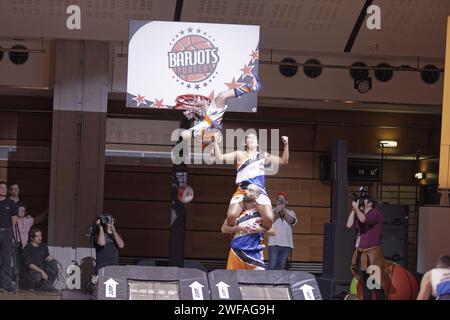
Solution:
(188, 86)
(158, 103)
(190, 29)
(181, 32)
(199, 30)
(205, 84)
(139, 100)
(233, 84)
(255, 55)
(247, 70)
(197, 86)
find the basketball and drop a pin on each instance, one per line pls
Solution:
(198, 56)
(212, 135)
(402, 286)
(185, 194)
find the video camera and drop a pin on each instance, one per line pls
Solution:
(360, 196)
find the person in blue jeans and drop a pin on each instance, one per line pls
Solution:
(280, 237)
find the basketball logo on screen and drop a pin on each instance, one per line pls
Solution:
(193, 58)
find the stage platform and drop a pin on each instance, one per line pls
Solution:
(40, 295)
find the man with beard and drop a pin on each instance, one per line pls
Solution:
(246, 246)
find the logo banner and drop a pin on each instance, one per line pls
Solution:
(169, 59)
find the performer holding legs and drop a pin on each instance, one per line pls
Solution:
(246, 246)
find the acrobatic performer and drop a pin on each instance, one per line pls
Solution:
(251, 170)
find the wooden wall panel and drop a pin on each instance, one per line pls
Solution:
(300, 135)
(311, 220)
(137, 186)
(32, 181)
(211, 188)
(139, 214)
(399, 172)
(307, 248)
(301, 192)
(25, 128)
(213, 245)
(29, 166)
(365, 139)
(300, 165)
(145, 243)
(206, 216)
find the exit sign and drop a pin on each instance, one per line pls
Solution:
(360, 170)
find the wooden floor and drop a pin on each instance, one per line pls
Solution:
(30, 295)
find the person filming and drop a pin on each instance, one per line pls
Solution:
(368, 257)
(107, 242)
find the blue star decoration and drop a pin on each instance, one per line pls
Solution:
(181, 32)
(197, 86)
(205, 84)
(190, 29)
(188, 85)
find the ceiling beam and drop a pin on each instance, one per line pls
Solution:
(362, 15)
(178, 10)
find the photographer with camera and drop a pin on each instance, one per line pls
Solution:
(280, 241)
(107, 242)
(367, 220)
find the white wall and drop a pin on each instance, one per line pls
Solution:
(434, 236)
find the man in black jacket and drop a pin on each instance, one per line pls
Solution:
(8, 218)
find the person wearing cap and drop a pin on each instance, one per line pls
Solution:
(280, 239)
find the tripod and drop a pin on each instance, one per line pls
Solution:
(17, 246)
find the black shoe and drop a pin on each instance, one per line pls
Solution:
(10, 290)
(47, 287)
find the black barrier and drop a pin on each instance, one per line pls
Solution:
(151, 283)
(263, 284)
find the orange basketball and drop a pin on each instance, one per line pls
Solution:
(402, 285)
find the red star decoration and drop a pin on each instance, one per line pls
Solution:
(247, 70)
(255, 55)
(158, 103)
(140, 100)
(233, 84)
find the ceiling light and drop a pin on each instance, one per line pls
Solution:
(363, 85)
(388, 143)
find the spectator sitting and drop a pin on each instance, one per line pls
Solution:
(42, 268)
